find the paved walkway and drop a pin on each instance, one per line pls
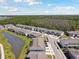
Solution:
(2, 52)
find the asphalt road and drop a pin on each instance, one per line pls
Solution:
(56, 49)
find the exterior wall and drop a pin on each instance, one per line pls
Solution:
(38, 29)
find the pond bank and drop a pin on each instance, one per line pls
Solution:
(17, 43)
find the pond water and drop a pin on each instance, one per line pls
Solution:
(17, 43)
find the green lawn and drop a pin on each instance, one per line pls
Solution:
(65, 37)
(49, 57)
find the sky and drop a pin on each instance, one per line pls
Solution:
(39, 7)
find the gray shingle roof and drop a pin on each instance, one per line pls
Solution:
(74, 53)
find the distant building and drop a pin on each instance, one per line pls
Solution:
(1, 27)
(70, 43)
(74, 53)
(8, 26)
(73, 33)
(41, 30)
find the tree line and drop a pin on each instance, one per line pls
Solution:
(51, 22)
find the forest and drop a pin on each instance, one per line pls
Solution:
(64, 23)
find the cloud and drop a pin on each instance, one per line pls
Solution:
(9, 9)
(1, 1)
(32, 2)
(49, 5)
(64, 10)
(46, 12)
(54, 10)
(18, 1)
(13, 10)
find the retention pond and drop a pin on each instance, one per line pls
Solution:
(17, 43)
